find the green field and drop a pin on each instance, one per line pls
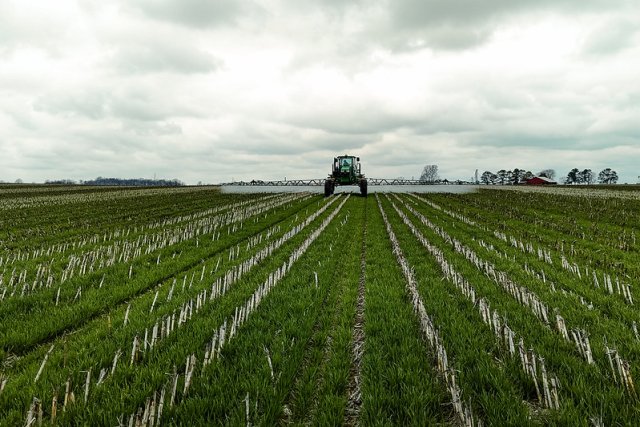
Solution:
(188, 306)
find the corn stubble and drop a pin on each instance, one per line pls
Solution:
(258, 309)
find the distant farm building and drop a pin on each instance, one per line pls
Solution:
(540, 180)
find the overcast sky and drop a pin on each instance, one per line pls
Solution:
(214, 90)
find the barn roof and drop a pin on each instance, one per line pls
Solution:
(542, 178)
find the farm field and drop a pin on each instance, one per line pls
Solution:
(189, 306)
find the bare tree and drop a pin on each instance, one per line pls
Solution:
(547, 173)
(429, 173)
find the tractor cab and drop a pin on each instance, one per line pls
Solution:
(345, 164)
(345, 169)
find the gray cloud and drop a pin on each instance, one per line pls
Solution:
(152, 128)
(611, 37)
(93, 105)
(147, 104)
(455, 25)
(159, 57)
(214, 90)
(278, 139)
(128, 101)
(194, 13)
(417, 13)
(355, 121)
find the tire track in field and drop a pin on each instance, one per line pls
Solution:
(320, 325)
(288, 417)
(354, 390)
(333, 319)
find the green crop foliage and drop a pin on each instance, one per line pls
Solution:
(282, 308)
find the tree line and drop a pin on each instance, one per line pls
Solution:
(512, 177)
(135, 182)
(574, 176)
(587, 176)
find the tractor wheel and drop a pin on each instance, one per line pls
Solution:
(328, 188)
(363, 187)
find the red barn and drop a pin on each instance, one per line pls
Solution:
(540, 180)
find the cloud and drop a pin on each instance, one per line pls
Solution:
(25, 27)
(135, 100)
(611, 37)
(93, 105)
(192, 13)
(404, 25)
(156, 56)
(210, 90)
(152, 128)
(418, 13)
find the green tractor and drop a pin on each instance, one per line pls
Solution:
(346, 170)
